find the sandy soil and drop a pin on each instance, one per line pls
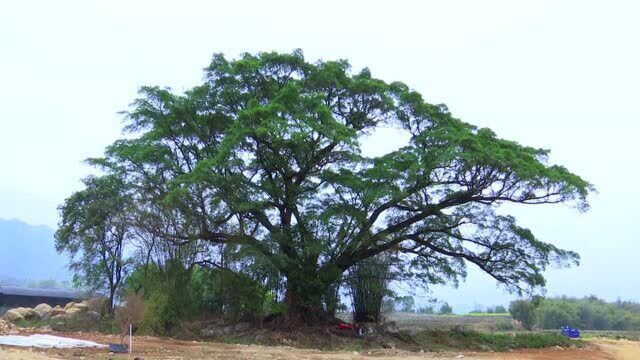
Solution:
(620, 349)
(149, 348)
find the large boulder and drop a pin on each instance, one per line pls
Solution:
(69, 305)
(43, 310)
(28, 313)
(83, 306)
(76, 310)
(57, 311)
(13, 316)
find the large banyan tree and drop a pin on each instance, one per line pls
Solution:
(265, 156)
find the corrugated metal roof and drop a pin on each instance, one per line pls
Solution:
(13, 290)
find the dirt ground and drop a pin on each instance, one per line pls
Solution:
(150, 348)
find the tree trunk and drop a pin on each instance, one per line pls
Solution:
(112, 292)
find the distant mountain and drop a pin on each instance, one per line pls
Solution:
(27, 252)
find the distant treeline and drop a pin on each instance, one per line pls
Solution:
(498, 309)
(588, 313)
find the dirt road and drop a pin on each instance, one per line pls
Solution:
(149, 348)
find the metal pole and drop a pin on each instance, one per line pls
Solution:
(130, 337)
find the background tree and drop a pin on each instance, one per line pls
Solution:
(426, 310)
(388, 304)
(265, 157)
(407, 303)
(445, 309)
(500, 309)
(94, 230)
(524, 312)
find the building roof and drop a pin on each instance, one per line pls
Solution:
(53, 293)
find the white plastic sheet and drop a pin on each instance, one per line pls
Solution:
(46, 341)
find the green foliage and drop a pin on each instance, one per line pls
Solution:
(589, 313)
(273, 306)
(426, 310)
(445, 309)
(331, 300)
(368, 284)
(108, 325)
(265, 158)
(554, 315)
(472, 340)
(243, 297)
(524, 312)
(407, 303)
(94, 230)
(500, 309)
(162, 315)
(503, 325)
(175, 294)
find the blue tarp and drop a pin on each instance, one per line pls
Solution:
(570, 332)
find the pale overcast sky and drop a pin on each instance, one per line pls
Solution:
(562, 75)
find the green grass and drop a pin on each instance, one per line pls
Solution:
(31, 323)
(473, 340)
(430, 340)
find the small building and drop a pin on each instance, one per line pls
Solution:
(12, 297)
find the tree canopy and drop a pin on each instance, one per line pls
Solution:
(264, 157)
(95, 229)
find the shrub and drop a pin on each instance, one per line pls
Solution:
(472, 340)
(331, 300)
(99, 305)
(503, 325)
(553, 314)
(161, 317)
(368, 284)
(524, 312)
(131, 312)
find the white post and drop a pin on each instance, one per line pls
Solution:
(130, 337)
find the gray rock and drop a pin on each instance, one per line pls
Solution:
(28, 313)
(43, 310)
(13, 316)
(211, 332)
(243, 326)
(57, 311)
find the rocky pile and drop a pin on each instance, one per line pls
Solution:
(6, 328)
(220, 328)
(74, 316)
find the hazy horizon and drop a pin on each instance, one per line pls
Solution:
(561, 76)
